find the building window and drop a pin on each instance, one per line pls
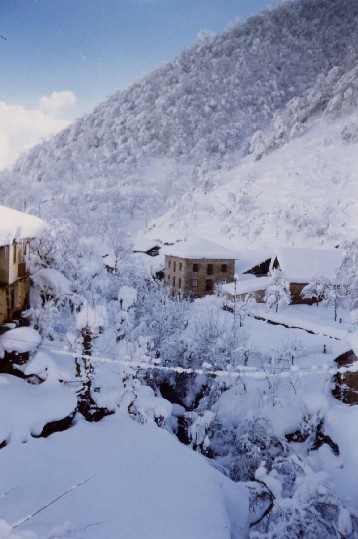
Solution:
(195, 283)
(179, 282)
(15, 252)
(173, 281)
(175, 266)
(210, 269)
(208, 285)
(180, 266)
(195, 267)
(169, 263)
(223, 268)
(12, 299)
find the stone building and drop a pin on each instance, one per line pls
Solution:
(16, 230)
(195, 268)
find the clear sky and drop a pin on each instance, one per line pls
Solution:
(60, 58)
(93, 47)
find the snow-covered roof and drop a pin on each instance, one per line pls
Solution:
(249, 258)
(200, 248)
(15, 225)
(302, 265)
(143, 244)
(246, 286)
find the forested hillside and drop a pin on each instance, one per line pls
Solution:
(298, 185)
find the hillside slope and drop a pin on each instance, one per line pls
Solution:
(142, 149)
(299, 185)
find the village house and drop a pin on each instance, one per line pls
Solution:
(16, 230)
(195, 268)
(299, 267)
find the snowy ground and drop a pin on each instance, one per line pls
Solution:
(142, 483)
(319, 320)
(25, 408)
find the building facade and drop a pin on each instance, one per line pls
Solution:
(14, 279)
(195, 269)
(16, 229)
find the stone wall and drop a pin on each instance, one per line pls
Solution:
(181, 277)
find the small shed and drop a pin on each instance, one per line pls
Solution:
(256, 286)
(193, 268)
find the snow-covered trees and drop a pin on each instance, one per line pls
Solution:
(332, 292)
(162, 318)
(240, 445)
(241, 308)
(314, 290)
(303, 504)
(347, 276)
(216, 342)
(258, 145)
(277, 294)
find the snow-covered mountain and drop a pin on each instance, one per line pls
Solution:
(183, 127)
(299, 184)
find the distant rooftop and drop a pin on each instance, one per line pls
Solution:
(201, 249)
(300, 265)
(15, 225)
(143, 244)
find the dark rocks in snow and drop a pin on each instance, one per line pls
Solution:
(56, 426)
(316, 438)
(90, 409)
(346, 384)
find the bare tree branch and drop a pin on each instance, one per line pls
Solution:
(31, 515)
